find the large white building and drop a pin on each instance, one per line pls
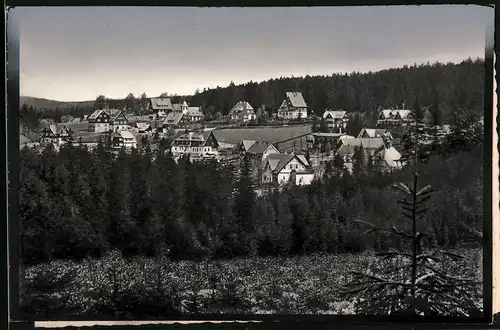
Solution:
(286, 168)
(293, 107)
(106, 120)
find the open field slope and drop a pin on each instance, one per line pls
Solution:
(270, 134)
(297, 285)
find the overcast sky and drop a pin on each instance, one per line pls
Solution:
(77, 53)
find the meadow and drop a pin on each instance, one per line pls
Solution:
(270, 134)
(149, 288)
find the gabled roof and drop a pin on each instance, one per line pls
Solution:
(372, 132)
(367, 143)
(241, 106)
(296, 99)
(161, 103)
(127, 135)
(386, 114)
(247, 144)
(195, 136)
(278, 161)
(402, 113)
(114, 113)
(390, 156)
(258, 148)
(194, 111)
(335, 114)
(53, 129)
(173, 118)
(95, 114)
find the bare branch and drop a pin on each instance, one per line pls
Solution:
(401, 233)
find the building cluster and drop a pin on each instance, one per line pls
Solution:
(270, 163)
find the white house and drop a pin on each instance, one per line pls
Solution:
(293, 107)
(283, 168)
(124, 139)
(201, 145)
(336, 121)
(242, 111)
(160, 106)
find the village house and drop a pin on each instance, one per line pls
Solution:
(198, 146)
(106, 120)
(175, 120)
(55, 136)
(391, 118)
(283, 168)
(347, 146)
(124, 139)
(160, 106)
(323, 141)
(194, 114)
(293, 107)
(374, 132)
(336, 121)
(242, 112)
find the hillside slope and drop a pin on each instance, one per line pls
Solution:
(41, 103)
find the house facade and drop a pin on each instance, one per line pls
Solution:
(55, 136)
(198, 146)
(336, 121)
(175, 119)
(194, 114)
(242, 112)
(124, 139)
(280, 169)
(160, 106)
(323, 141)
(101, 121)
(293, 107)
(391, 118)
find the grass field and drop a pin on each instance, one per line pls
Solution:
(296, 285)
(270, 134)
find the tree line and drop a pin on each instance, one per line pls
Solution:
(450, 87)
(78, 202)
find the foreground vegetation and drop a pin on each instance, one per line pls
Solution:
(147, 288)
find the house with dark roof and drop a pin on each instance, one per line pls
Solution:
(293, 107)
(55, 135)
(106, 120)
(242, 112)
(160, 106)
(198, 145)
(175, 119)
(336, 120)
(280, 169)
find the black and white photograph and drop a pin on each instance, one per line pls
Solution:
(191, 162)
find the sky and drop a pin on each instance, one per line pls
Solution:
(78, 53)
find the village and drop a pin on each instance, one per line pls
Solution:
(297, 159)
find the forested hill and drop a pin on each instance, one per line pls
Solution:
(41, 103)
(451, 85)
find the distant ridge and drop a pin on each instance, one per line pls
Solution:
(40, 103)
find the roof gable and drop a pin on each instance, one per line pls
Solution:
(296, 99)
(161, 103)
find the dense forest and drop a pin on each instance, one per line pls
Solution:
(78, 203)
(451, 86)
